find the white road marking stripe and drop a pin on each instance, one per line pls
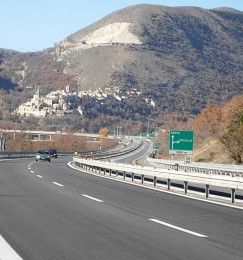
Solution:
(39, 176)
(58, 184)
(32, 171)
(178, 228)
(92, 198)
(7, 251)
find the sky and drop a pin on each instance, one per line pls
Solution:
(33, 25)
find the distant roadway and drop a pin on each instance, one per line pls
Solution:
(51, 211)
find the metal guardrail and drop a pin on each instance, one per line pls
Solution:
(88, 154)
(158, 175)
(205, 168)
(16, 154)
(106, 154)
(25, 154)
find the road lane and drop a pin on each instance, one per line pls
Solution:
(44, 221)
(182, 210)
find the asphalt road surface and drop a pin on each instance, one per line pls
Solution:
(51, 211)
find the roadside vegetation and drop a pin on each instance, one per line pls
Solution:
(67, 143)
(222, 127)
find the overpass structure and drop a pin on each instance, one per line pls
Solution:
(42, 135)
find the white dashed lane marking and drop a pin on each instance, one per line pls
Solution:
(178, 228)
(92, 198)
(58, 184)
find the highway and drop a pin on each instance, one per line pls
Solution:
(51, 211)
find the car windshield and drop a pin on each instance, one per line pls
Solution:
(43, 152)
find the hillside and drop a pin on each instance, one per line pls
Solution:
(163, 59)
(211, 151)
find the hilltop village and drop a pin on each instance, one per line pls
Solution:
(59, 103)
(64, 102)
(55, 103)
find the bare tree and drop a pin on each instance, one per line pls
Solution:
(103, 134)
(209, 120)
(232, 112)
(233, 143)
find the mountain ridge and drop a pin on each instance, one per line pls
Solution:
(179, 58)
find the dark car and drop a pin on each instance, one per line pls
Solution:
(53, 153)
(43, 155)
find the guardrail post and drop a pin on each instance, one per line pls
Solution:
(99, 170)
(155, 181)
(207, 191)
(142, 178)
(185, 186)
(168, 184)
(132, 176)
(124, 175)
(232, 195)
(110, 172)
(116, 173)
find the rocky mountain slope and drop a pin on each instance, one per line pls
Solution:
(158, 60)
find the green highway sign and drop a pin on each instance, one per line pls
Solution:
(156, 146)
(181, 142)
(147, 134)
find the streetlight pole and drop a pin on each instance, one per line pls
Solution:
(117, 131)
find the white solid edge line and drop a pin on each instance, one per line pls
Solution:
(92, 198)
(7, 251)
(163, 191)
(39, 176)
(178, 228)
(58, 184)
